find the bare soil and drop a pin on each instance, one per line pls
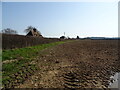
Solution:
(78, 64)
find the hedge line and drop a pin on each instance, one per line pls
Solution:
(20, 41)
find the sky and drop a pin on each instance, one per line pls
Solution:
(52, 19)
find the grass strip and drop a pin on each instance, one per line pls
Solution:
(9, 70)
(27, 52)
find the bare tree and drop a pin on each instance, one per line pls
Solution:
(29, 28)
(9, 31)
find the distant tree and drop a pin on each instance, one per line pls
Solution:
(78, 37)
(9, 31)
(29, 28)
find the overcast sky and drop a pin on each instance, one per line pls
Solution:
(52, 19)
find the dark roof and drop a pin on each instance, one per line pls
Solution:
(34, 32)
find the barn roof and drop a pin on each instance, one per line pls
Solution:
(34, 32)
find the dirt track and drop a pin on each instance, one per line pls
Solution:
(82, 63)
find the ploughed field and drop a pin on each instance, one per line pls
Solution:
(75, 64)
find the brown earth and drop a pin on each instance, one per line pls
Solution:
(82, 63)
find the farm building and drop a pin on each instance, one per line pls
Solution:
(62, 37)
(34, 32)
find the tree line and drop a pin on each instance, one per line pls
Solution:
(11, 31)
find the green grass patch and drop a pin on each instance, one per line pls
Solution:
(10, 69)
(13, 67)
(28, 52)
